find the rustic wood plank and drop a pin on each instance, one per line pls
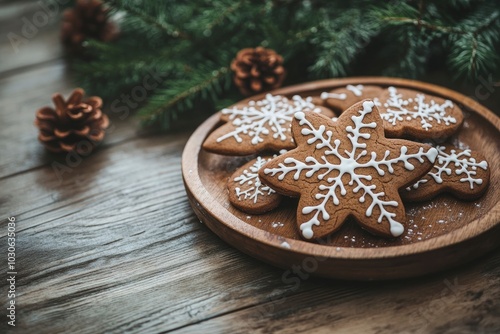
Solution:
(29, 34)
(464, 300)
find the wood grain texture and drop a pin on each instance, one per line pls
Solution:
(440, 233)
(29, 33)
(115, 247)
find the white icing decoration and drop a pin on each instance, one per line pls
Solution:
(356, 90)
(286, 245)
(334, 164)
(464, 164)
(270, 116)
(326, 95)
(250, 177)
(396, 110)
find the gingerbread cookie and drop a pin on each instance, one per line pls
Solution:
(318, 101)
(463, 173)
(409, 113)
(342, 98)
(259, 125)
(248, 193)
(347, 168)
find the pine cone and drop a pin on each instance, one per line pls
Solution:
(75, 125)
(88, 19)
(257, 70)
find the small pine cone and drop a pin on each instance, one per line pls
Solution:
(74, 125)
(87, 19)
(257, 70)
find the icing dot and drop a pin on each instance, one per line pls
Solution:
(299, 115)
(286, 245)
(397, 229)
(307, 233)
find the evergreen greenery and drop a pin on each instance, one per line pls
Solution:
(193, 42)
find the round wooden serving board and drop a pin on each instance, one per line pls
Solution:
(439, 234)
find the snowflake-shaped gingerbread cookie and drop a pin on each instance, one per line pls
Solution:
(248, 193)
(408, 113)
(347, 168)
(463, 173)
(261, 125)
(342, 98)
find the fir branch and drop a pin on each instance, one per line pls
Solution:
(219, 19)
(152, 21)
(123, 69)
(405, 14)
(302, 35)
(471, 42)
(465, 58)
(411, 53)
(205, 84)
(419, 23)
(473, 53)
(192, 44)
(444, 29)
(340, 40)
(487, 23)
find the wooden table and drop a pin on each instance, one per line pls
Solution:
(112, 245)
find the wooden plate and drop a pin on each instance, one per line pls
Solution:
(440, 233)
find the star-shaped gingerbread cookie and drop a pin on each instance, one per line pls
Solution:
(347, 168)
(258, 126)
